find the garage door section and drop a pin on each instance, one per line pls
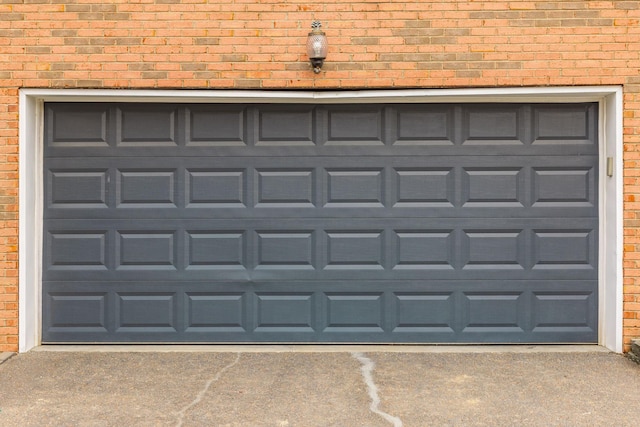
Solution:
(320, 223)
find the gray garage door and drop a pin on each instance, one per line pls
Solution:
(320, 223)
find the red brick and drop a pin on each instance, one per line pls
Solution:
(227, 44)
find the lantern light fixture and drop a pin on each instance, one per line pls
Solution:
(316, 46)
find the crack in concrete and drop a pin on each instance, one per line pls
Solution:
(180, 413)
(372, 389)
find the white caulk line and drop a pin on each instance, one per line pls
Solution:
(200, 395)
(372, 390)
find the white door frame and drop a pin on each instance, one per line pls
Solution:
(610, 187)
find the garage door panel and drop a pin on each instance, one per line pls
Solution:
(285, 249)
(247, 130)
(77, 188)
(285, 312)
(76, 311)
(411, 125)
(286, 188)
(320, 223)
(150, 311)
(215, 312)
(216, 249)
(285, 125)
(564, 249)
(497, 186)
(563, 310)
(428, 249)
(456, 248)
(145, 250)
(564, 187)
(424, 312)
(354, 125)
(216, 126)
(146, 188)
(493, 125)
(505, 311)
(215, 188)
(565, 124)
(348, 312)
(426, 187)
(160, 127)
(491, 249)
(82, 250)
(451, 311)
(77, 125)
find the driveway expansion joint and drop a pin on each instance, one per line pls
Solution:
(199, 396)
(367, 374)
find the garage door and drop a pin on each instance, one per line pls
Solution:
(320, 223)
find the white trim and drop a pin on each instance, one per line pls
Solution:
(535, 94)
(29, 225)
(610, 296)
(611, 191)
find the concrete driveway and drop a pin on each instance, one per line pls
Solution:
(319, 386)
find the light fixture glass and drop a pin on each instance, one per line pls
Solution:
(316, 46)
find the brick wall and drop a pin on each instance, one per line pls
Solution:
(243, 44)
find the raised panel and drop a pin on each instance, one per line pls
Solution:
(558, 249)
(355, 188)
(424, 312)
(492, 187)
(424, 188)
(355, 126)
(492, 125)
(224, 188)
(354, 312)
(563, 187)
(288, 126)
(77, 250)
(77, 189)
(222, 312)
(77, 125)
(285, 188)
(424, 250)
(493, 249)
(154, 312)
(291, 312)
(492, 311)
(285, 250)
(147, 125)
(146, 188)
(85, 310)
(146, 250)
(355, 250)
(215, 250)
(562, 124)
(563, 310)
(216, 126)
(424, 126)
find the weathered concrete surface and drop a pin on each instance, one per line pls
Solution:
(318, 389)
(634, 354)
(5, 356)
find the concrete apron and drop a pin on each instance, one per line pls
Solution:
(319, 386)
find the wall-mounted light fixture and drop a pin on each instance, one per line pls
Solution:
(316, 46)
